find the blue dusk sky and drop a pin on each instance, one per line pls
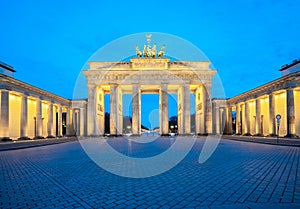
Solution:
(49, 42)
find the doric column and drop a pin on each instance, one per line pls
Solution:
(91, 117)
(39, 120)
(120, 112)
(4, 114)
(272, 115)
(164, 119)
(186, 109)
(114, 110)
(223, 119)
(207, 109)
(100, 111)
(76, 122)
(184, 117)
(237, 119)
(68, 121)
(290, 112)
(24, 116)
(214, 118)
(198, 109)
(229, 120)
(247, 118)
(179, 111)
(59, 121)
(218, 122)
(203, 107)
(136, 106)
(257, 118)
(50, 120)
(82, 122)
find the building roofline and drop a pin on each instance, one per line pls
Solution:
(31, 88)
(274, 85)
(7, 67)
(286, 66)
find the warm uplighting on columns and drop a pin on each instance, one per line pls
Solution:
(290, 104)
(24, 116)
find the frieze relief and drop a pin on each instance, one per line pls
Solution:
(150, 77)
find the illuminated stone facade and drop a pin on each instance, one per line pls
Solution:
(256, 109)
(149, 75)
(27, 111)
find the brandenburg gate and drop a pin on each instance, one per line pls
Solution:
(149, 74)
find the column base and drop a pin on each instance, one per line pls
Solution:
(202, 134)
(5, 139)
(38, 137)
(294, 136)
(164, 135)
(50, 136)
(114, 135)
(24, 138)
(95, 135)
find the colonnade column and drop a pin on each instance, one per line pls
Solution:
(199, 112)
(4, 113)
(114, 109)
(50, 120)
(247, 118)
(76, 121)
(271, 115)
(290, 109)
(39, 120)
(208, 109)
(120, 112)
(257, 117)
(184, 115)
(81, 122)
(229, 120)
(24, 116)
(164, 117)
(68, 121)
(217, 118)
(136, 107)
(59, 121)
(214, 118)
(186, 109)
(91, 110)
(223, 119)
(237, 119)
(100, 111)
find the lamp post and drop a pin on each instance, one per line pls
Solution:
(278, 117)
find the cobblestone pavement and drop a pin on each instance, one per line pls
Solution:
(265, 140)
(22, 144)
(238, 175)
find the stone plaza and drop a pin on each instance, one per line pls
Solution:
(238, 175)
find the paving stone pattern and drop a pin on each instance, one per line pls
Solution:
(238, 175)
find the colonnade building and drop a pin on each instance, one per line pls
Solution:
(256, 110)
(30, 112)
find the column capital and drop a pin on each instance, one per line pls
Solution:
(290, 89)
(165, 85)
(24, 95)
(89, 85)
(5, 90)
